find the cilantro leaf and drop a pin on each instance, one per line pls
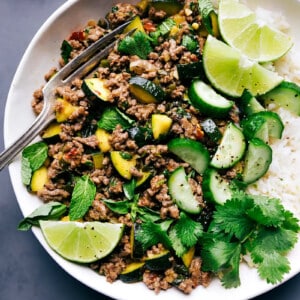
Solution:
(271, 239)
(267, 211)
(273, 267)
(137, 44)
(231, 218)
(48, 211)
(290, 222)
(82, 197)
(152, 233)
(188, 230)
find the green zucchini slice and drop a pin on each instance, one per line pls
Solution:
(145, 90)
(95, 88)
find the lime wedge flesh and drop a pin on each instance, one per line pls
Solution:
(82, 242)
(231, 72)
(241, 29)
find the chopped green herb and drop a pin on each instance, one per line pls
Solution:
(82, 197)
(119, 207)
(33, 157)
(245, 225)
(66, 50)
(137, 44)
(48, 211)
(112, 117)
(190, 43)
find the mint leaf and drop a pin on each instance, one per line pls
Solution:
(82, 197)
(48, 211)
(26, 171)
(111, 117)
(33, 157)
(146, 214)
(267, 211)
(129, 188)
(153, 233)
(119, 207)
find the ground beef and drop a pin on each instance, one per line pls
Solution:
(120, 13)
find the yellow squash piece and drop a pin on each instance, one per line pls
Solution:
(52, 131)
(64, 110)
(122, 165)
(39, 179)
(188, 256)
(98, 160)
(136, 23)
(103, 138)
(161, 125)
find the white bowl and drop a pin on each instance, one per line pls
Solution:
(42, 54)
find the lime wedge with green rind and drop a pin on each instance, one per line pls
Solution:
(82, 242)
(242, 29)
(231, 73)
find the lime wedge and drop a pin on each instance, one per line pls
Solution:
(231, 72)
(81, 242)
(243, 30)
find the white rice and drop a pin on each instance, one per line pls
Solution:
(283, 177)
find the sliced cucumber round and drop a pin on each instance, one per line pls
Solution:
(181, 192)
(209, 103)
(190, 151)
(263, 125)
(286, 95)
(231, 148)
(249, 104)
(215, 188)
(257, 160)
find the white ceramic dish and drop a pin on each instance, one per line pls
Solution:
(41, 55)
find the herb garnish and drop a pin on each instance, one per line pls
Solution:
(48, 211)
(82, 197)
(253, 225)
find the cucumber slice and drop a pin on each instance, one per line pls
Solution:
(231, 148)
(145, 90)
(249, 104)
(190, 151)
(286, 95)
(94, 88)
(257, 160)
(181, 192)
(209, 103)
(215, 188)
(263, 125)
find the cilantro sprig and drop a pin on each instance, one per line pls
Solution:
(255, 225)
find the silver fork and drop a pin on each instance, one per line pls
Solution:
(78, 67)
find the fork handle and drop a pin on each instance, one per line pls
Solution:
(37, 126)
